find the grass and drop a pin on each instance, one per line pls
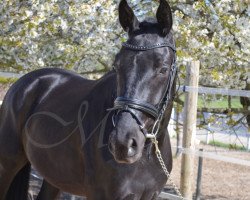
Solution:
(221, 103)
(5, 80)
(227, 146)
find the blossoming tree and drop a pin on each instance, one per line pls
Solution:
(84, 36)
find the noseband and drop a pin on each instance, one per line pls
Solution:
(124, 104)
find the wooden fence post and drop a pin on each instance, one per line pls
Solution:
(189, 129)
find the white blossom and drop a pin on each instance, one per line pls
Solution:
(85, 35)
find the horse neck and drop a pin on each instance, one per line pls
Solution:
(99, 119)
(107, 86)
(101, 98)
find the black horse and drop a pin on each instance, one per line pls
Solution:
(60, 123)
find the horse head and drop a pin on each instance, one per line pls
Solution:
(144, 68)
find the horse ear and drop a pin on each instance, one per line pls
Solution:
(164, 17)
(127, 19)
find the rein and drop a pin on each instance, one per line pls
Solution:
(124, 104)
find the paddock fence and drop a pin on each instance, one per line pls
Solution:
(189, 134)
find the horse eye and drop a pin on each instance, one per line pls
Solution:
(163, 70)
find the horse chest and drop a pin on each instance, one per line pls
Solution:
(140, 181)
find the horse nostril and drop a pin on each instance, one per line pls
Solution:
(132, 147)
(131, 152)
(134, 144)
(110, 146)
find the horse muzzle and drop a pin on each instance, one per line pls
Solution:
(128, 150)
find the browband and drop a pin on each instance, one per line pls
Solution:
(145, 48)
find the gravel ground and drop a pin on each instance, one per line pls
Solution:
(220, 180)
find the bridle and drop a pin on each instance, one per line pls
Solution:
(124, 104)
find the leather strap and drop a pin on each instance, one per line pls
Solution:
(145, 48)
(123, 103)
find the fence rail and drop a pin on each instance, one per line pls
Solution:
(221, 91)
(214, 156)
(170, 196)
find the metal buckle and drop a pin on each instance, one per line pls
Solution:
(150, 136)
